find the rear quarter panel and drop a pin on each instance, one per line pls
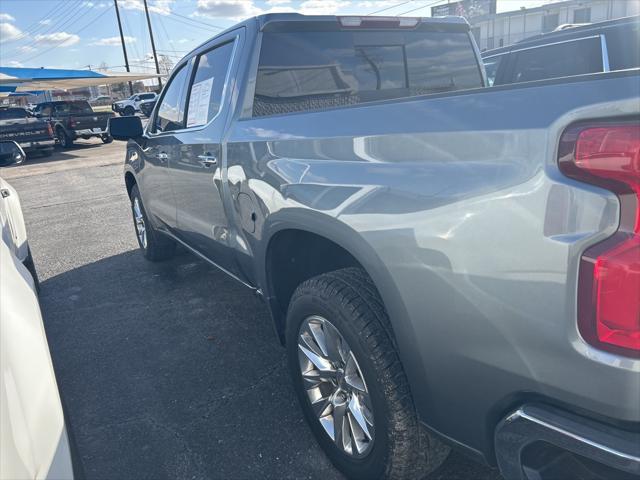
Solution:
(456, 208)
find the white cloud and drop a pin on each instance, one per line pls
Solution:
(5, 17)
(322, 7)
(15, 64)
(278, 2)
(111, 41)
(236, 9)
(26, 49)
(8, 32)
(60, 39)
(46, 21)
(161, 7)
(95, 5)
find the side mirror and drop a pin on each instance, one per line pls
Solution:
(125, 128)
(11, 154)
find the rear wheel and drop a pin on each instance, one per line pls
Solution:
(106, 138)
(350, 382)
(155, 247)
(64, 140)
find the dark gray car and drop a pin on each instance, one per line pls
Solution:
(447, 264)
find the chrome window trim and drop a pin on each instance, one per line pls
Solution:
(225, 87)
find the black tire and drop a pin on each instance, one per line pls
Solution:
(158, 247)
(401, 449)
(64, 140)
(28, 262)
(128, 111)
(106, 138)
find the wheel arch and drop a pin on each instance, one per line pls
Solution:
(359, 253)
(129, 181)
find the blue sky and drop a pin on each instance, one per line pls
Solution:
(79, 33)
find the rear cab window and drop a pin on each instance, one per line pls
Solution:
(13, 113)
(310, 70)
(76, 107)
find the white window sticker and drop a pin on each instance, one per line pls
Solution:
(199, 103)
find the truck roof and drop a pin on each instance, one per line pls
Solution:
(298, 21)
(268, 18)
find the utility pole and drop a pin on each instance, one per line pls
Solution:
(153, 45)
(124, 49)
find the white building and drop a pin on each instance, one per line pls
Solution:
(502, 29)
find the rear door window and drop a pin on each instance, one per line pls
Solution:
(206, 91)
(301, 71)
(564, 59)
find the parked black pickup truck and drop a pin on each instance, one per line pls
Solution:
(32, 134)
(75, 119)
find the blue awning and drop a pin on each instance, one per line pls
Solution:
(14, 79)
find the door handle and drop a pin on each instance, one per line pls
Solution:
(207, 160)
(163, 157)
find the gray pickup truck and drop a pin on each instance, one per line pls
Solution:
(447, 264)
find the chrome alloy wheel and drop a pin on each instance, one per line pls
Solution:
(335, 386)
(138, 218)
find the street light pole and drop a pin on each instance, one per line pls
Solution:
(124, 49)
(153, 45)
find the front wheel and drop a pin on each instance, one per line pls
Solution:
(350, 382)
(128, 111)
(154, 246)
(106, 138)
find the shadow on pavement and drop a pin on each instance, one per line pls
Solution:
(172, 370)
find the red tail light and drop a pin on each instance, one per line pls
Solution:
(609, 278)
(50, 129)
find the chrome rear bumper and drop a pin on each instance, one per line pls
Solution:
(582, 442)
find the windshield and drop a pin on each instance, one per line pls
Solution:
(74, 107)
(10, 113)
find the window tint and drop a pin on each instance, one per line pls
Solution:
(205, 94)
(170, 115)
(77, 108)
(146, 96)
(559, 60)
(44, 110)
(301, 71)
(623, 45)
(9, 113)
(491, 66)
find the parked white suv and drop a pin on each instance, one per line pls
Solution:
(132, 104)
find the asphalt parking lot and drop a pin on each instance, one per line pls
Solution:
(167, 370)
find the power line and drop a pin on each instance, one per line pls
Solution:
(28, 30)
(389, 8)
(420, 8)
(95, 19)
(197, 21)
(67, 14)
